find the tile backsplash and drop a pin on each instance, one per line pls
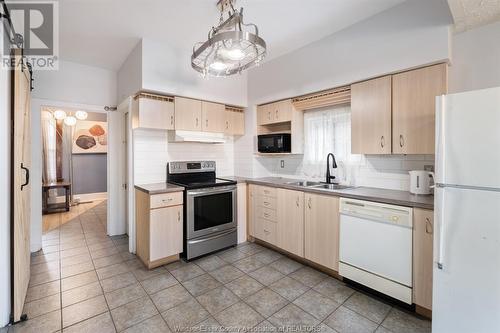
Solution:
(152, 151)
(382, 171)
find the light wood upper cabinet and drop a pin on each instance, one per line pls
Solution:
(213, 117)
(153, 113)
(413, 108)
(321, 230)
(188, 114)
(371, 116)
(274, 113)
(423, 229)
(290, 213)
(234, 122)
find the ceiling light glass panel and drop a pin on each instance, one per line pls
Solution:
(232, 46)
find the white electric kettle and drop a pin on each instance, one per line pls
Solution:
(421, 182)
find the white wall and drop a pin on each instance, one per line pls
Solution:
(130, 74)
(73, 85)
(412, 34)
(169, 71)
(5, 186)
(476, 59)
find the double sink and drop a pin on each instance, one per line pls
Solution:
(318, 185)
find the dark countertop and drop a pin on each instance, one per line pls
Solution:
(401, 198)
(159, 188)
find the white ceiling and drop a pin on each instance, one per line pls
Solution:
(469, 14)
(103, 32)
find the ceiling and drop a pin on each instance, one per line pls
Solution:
(468, 14)
(103, 32)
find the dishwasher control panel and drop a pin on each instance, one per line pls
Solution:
(381, 212)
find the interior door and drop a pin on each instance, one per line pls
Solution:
(21, 189)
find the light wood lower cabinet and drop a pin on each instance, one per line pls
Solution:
(159, 223)
(321, 230)
(423, 230)
(290, 215)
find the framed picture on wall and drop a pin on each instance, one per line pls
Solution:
(90, 137)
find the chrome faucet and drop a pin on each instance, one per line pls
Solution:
(329, 177)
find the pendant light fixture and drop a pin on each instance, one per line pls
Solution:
(59, 114)
(231, 47)
(70, 121)
(81, 115)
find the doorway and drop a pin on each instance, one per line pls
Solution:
(74, 144)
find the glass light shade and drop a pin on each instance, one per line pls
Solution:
(59, 114)
(70, 121)
(234, 54)
(81, 115)
(46, 115)
(218, 65)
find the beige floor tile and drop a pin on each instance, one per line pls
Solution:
(124, 295)
(80, 294)
(101, 323)
(78, 280)
(133, 313)
(83, 310)
(42, 306)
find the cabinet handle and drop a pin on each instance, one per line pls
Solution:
(196, 122)
(227, 124)
(382, 141)
(266, 215)
(297, 202)
(266, 203)
(309, 203)
(178, 216)
(277, 115)
(171, 120)
(167, 200)
(206, 122)
(428, 226)
(401, 140)
(269, 115)
(266, 231)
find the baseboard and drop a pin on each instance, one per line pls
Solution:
(81, 197)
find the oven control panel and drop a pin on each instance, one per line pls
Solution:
(191, 166)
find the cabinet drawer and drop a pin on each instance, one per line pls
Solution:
(266, 191)
(267, 231)
(267, 214)
(166, 200)
(266, 202)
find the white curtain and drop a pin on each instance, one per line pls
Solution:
(328, 130)
(49, 148)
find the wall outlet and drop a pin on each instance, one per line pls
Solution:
(429, 168)
(282, 164)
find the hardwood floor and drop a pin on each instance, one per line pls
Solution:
(52, 221)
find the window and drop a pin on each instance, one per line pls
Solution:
(327, 131)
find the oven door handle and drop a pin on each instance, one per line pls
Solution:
(212, 190)
(204, 239)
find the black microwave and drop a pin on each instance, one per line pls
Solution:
(274, 143)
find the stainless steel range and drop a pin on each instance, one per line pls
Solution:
(210, 216)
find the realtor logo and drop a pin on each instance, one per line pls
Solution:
(38, 24)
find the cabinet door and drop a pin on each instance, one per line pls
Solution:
(414, 107)
(251, 210)
(213, 117)
(187, 114)
(423, 227)
(238, 123)
(264, 114)
(282, 111)
(291, 221)
(228, 122)
(166, 232)
(321, 230)
(371, 116)
(156, 114)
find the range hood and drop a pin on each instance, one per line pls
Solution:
(193, 136)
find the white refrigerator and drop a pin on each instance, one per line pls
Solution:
(466, 274)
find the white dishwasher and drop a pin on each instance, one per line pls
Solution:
(376, 246)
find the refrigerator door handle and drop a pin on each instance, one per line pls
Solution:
(439, 243)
